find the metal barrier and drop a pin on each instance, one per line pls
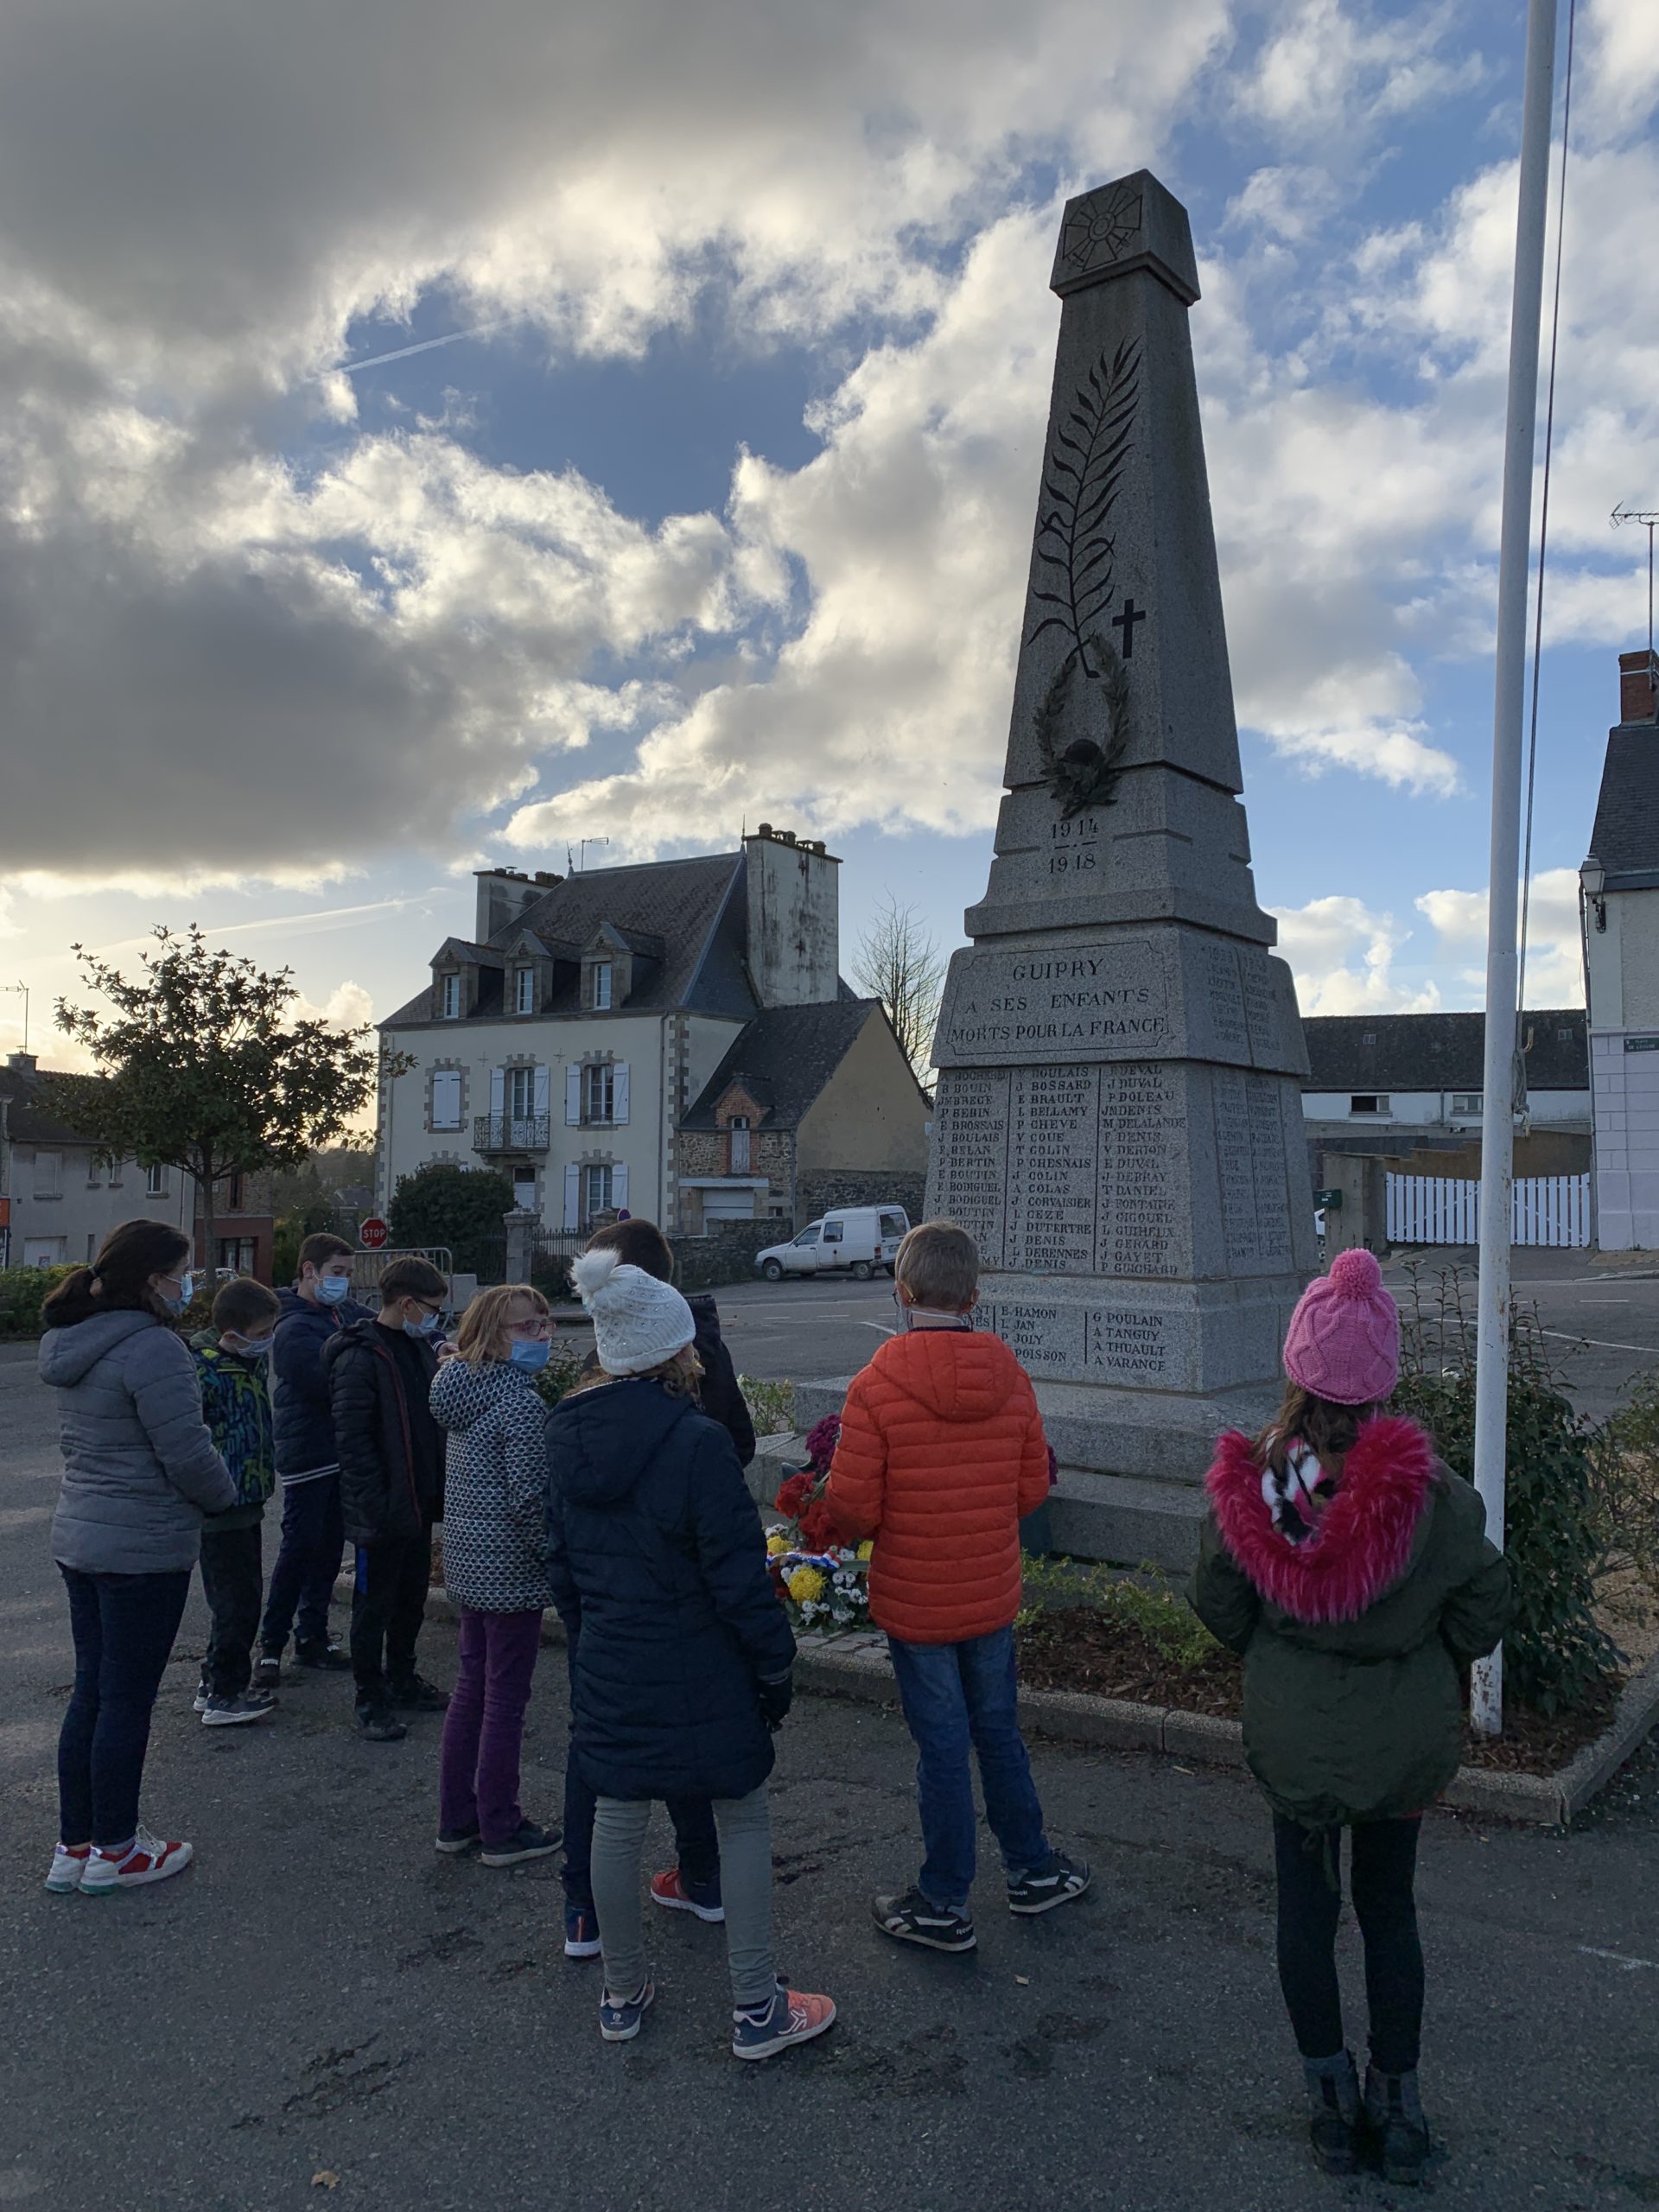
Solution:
(367, 1267)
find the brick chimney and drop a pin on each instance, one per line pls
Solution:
(1638, 686)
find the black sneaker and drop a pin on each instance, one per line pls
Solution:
(1058, 1883)
(1333, 2112)
(913, 1919)
(267, 1672)
(453, 1841)
(321, 1656)
(378, 1723)
(414, 1694)
(529, 1842)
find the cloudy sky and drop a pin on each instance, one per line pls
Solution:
(431, 434)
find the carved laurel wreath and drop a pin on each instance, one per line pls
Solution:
(1085, 774)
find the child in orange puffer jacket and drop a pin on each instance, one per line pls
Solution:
(941, 1456)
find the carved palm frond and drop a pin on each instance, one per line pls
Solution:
(1081, 482)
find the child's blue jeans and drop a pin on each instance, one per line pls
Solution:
(959, 1697)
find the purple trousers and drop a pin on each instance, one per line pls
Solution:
(484, 1728)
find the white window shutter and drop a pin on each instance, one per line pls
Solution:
(497, 1091)
(446, 1099)
(620, 1092)
(573, 1196)
(572, 1097)
(540, 1106)
(619, 1185)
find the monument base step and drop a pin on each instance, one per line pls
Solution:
(1124, 1519)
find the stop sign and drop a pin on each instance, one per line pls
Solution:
(372, 1233)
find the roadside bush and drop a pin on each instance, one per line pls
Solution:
(560, 1374)
(1625, 1506)
(771, 1405)
(460, 1208)
(1556, 1655)
(22, 1292)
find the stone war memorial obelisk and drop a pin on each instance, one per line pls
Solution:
(1119, 1118)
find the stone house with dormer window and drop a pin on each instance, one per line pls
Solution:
(565, 1041)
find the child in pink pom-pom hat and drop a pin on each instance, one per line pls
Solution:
(1353, 1572)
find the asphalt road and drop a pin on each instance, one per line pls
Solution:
(322, 2010)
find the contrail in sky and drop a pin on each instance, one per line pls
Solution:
(426, 345)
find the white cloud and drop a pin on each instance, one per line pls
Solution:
(1554, 953)
(348, 1006)
(1341, 953)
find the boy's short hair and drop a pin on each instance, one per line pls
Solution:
(638, 1244)
(412, 1278)
(241, 1305)
(939, 1264)
(322, 1247)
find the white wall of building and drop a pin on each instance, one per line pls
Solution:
(552, 1054)
(63, 1205)
(1441, 1109)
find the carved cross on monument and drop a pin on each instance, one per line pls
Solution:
(1119, 1119)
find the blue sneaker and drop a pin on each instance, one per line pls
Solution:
(620, 2017)
(792, 2018)
(580, 1932)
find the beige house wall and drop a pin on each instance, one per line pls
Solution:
(871, 1114)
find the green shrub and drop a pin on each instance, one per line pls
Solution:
(1557, 1654)
(1626, 1468)
(1146, 1603)
(22, 1292)
(462, 1209)
(771, 1405)
(561, 1373)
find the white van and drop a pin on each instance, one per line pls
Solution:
(853, 1240)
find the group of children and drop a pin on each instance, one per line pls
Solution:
(1340, 1558)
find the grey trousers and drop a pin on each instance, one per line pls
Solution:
(745, 1825)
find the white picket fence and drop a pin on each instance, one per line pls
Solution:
(1439, 1210)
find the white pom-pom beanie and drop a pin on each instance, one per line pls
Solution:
(638, 1322)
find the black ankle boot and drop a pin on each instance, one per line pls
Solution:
(1333, 2112)
(1393, 2114)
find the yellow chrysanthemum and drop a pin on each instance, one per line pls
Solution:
(806, 1585)
(866, 1548)
(776, 1546)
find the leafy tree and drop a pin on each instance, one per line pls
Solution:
(899, 962)
(202, 1067)
(460, 1207)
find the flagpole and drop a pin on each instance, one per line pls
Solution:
(1497, 1118)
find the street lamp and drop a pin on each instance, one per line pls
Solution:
(1593, 878)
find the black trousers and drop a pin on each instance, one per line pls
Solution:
(1383, 1868)
(388, 1604)
(233, 1578)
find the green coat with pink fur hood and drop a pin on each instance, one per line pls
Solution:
(1355, 1636)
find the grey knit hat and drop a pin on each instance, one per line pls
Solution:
(638, 1322)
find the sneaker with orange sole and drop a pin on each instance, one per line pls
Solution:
(792, 2018)
(147, 1859)
(673, 1892)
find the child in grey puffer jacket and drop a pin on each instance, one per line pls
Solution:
(140, 1471)
(494, 1567)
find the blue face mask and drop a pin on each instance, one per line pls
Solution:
(187, 1291)
(423, 1327)
(334, 1290)
(531, 1356)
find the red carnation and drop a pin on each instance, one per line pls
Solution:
(818, 1528)
(793, 1494)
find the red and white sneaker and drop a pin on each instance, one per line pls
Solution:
(148, 1859)
(69, 1862)
(676, 1894)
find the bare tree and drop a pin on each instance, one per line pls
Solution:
(900, 964)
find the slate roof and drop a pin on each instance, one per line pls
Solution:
(783, 1059)
(683, 920)
(1625, 839)
(1438, 1052)
(29, 1119)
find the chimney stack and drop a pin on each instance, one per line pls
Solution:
(1638, 686)
(794, 921)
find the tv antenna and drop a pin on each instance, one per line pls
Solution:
(1651, 522)
(23, 988)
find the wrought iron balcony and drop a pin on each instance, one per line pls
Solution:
(510, 1132)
